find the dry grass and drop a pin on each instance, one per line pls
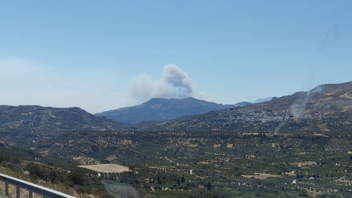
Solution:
(24, 193)
(106, 168)
(12, 191)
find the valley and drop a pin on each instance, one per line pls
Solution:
(175, 99)
(293, 146)
(235, 164)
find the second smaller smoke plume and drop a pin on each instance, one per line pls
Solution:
(119, 190)
(299, 105)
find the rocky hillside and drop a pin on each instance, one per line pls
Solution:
(165, 109)
(37, 120)
(324, 108)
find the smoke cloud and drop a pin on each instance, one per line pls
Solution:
(118, 190)
(174, 83)
(298, 107)
(277, 129)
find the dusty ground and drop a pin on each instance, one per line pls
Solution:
(320, 135)
(249, 133)
(261, 175)
(106, 168)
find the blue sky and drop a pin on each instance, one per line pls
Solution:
(102, 55)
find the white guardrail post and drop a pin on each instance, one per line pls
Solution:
(31, 188)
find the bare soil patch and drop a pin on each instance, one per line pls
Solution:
(106, 168)
(261, 175)
(320, 135)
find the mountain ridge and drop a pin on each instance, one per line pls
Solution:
(324, 108)
(159, 109)
(33, 119)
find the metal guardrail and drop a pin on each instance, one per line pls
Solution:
(32, 188)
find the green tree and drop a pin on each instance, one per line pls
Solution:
(76, 177)
(209, 186)
(52, 175)
(159, 182)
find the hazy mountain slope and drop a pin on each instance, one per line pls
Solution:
(324, 108)
(48, 120)
(260, 100)
(164, 109)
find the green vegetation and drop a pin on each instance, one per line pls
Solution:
(202, 164)
(71, 182)
(260, 150)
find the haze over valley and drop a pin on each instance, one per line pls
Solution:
(176, 99)
(207, 149)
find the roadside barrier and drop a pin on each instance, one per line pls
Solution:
(31, 188)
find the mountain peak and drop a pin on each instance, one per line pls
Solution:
(191, 98)
(164, 109)
(318, 109)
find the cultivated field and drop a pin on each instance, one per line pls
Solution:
(106, 168)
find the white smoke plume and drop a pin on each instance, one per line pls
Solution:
(277, 129)
(119, 190)
(298, 107)
(174, 83)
